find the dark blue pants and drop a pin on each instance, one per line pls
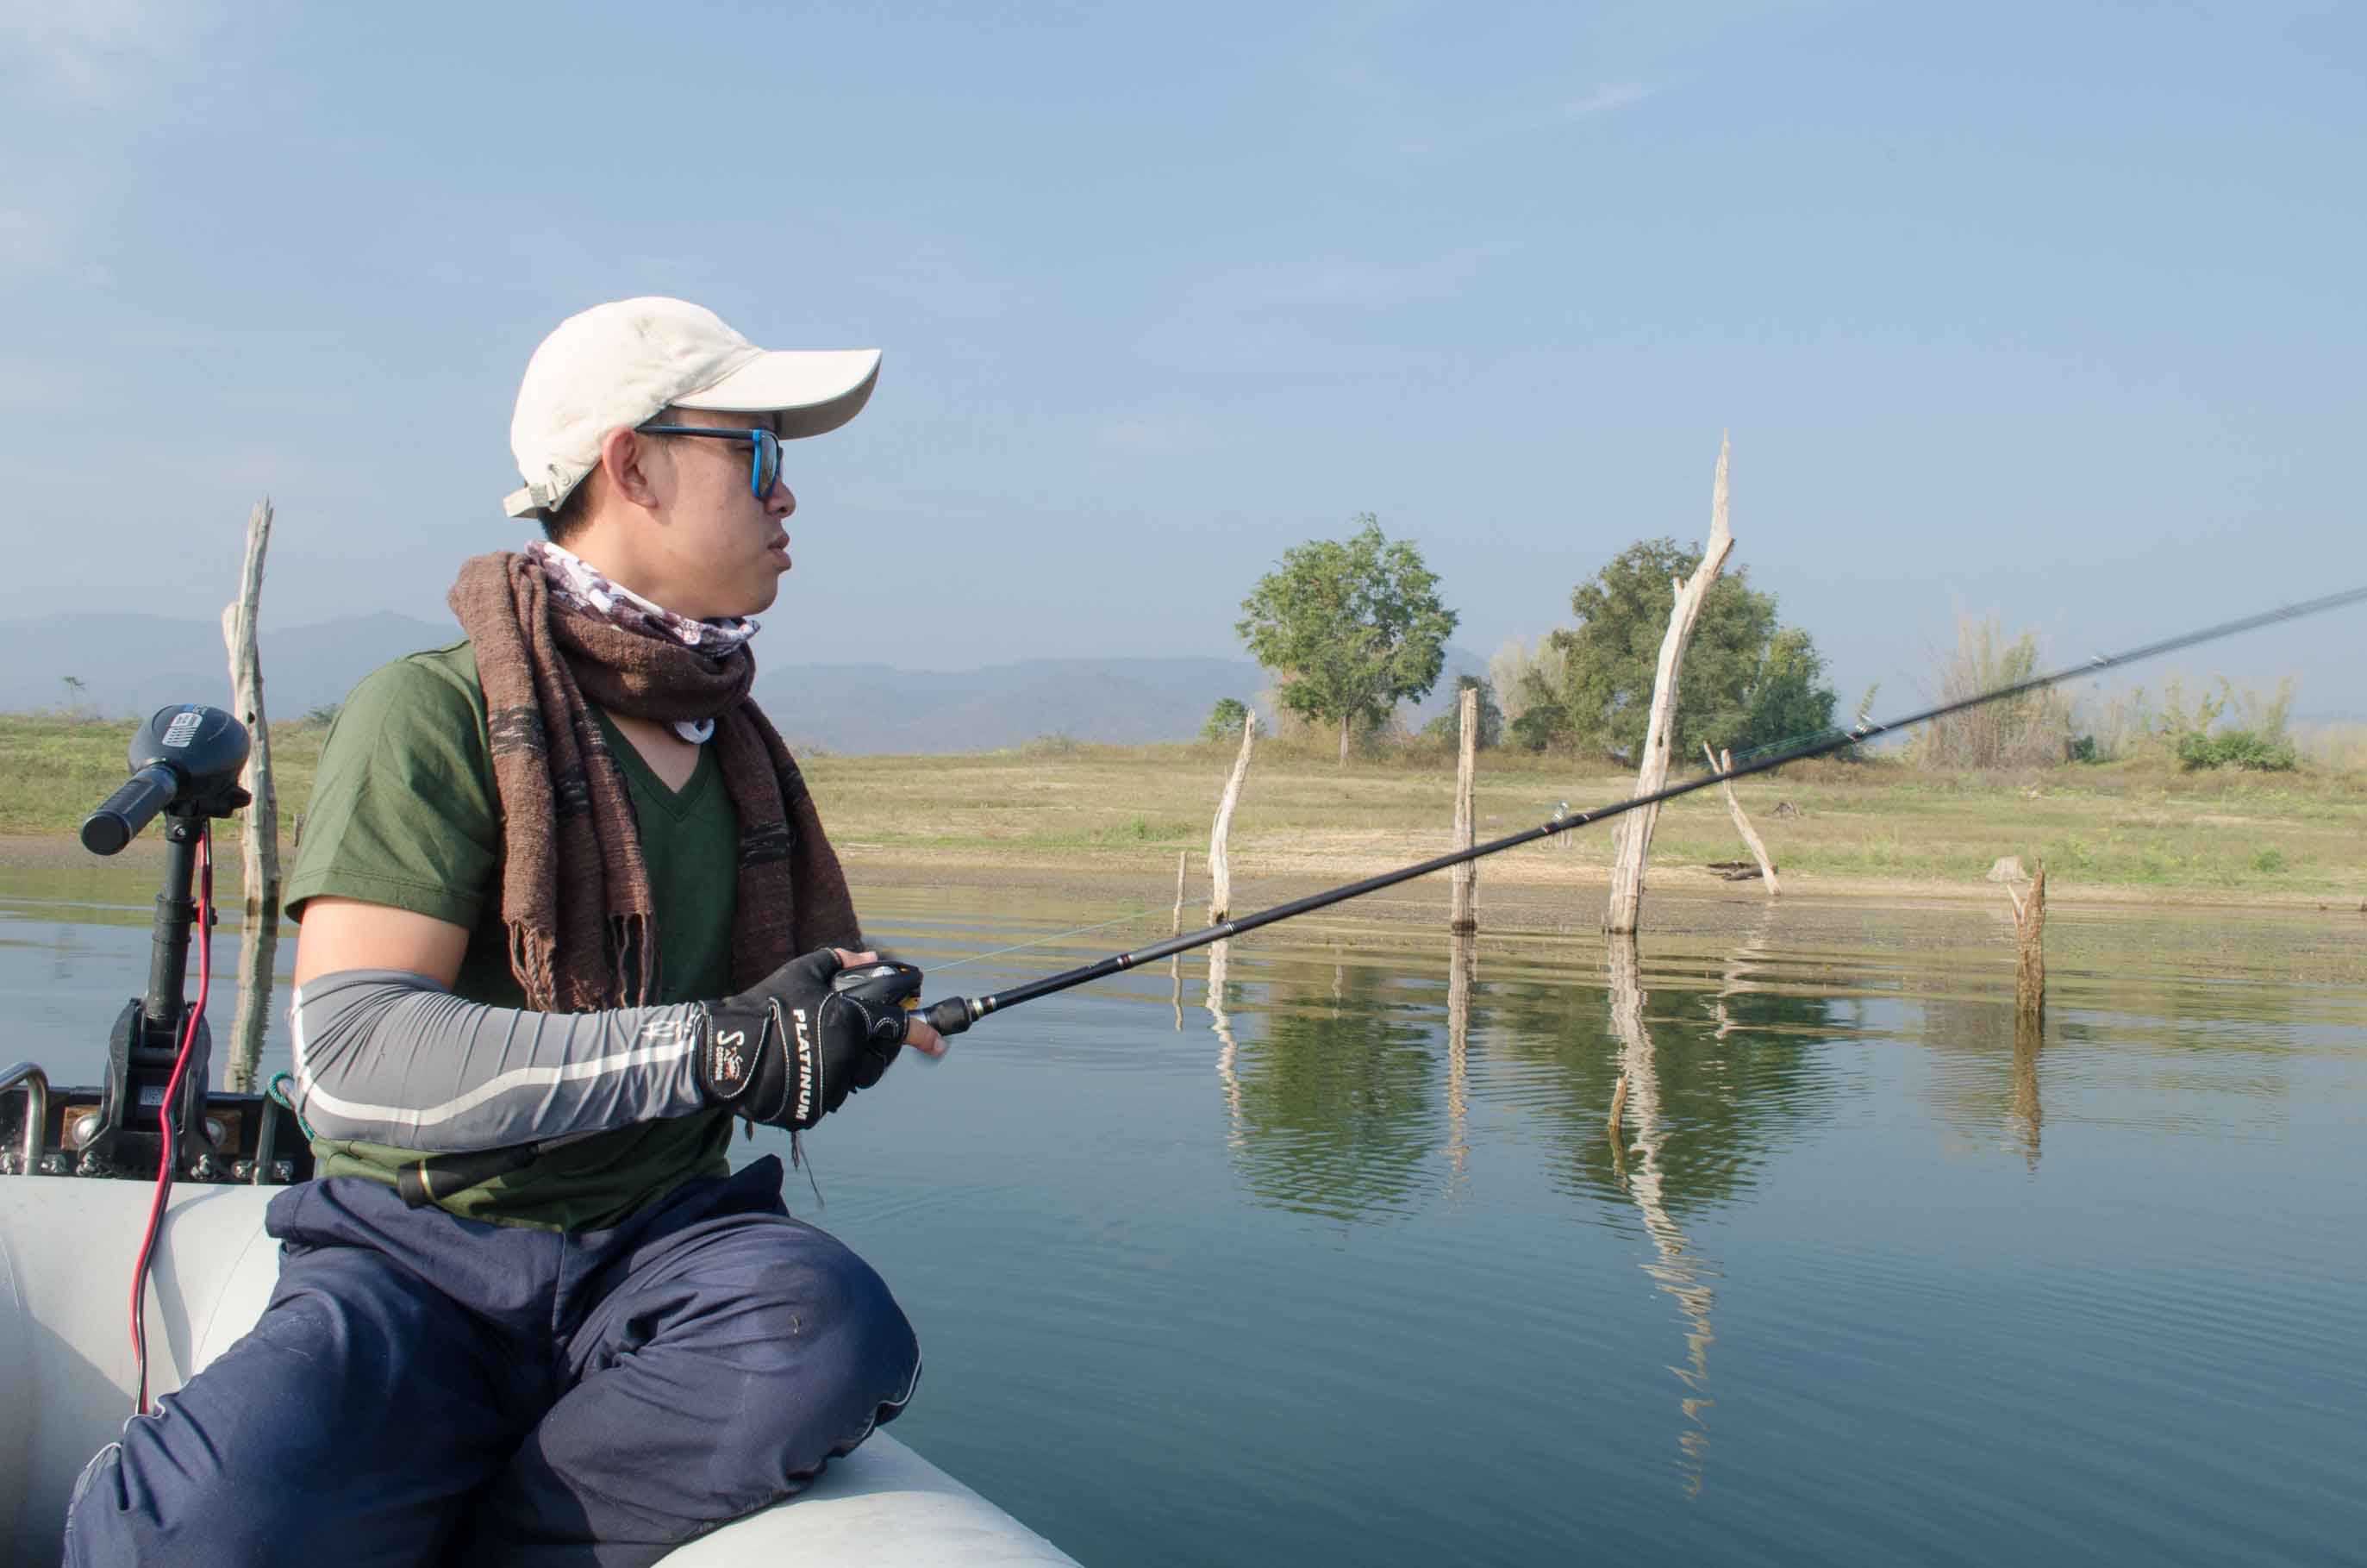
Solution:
(424, 1389)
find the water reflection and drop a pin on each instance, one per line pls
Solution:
(1734, 1075)
(2025, 1108)
(1745, 960)
(1989, 1054)
(1349, 1074)
(1678, 1266)
(2149, 1358)
(1220, 1020)
(1462, 968)
(1344, 1092)
(1337, 1106)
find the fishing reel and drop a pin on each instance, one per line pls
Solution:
(185, 763)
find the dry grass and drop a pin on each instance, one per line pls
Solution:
(2334, 748)
(2132, 825)
(55, 770)
(2135, 825)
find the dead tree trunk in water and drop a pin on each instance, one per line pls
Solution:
(1723, 762)
(1220, 869)
(260, 837)
(2030, 949)
(1464, 918)
(1652, 770)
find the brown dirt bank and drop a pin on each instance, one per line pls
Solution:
(1532, 879)
(1529, 887)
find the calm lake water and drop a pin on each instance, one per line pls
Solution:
(1332, 1260)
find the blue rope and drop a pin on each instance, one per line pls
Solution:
(272, 1091)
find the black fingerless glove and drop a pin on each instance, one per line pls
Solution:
(789, 1051)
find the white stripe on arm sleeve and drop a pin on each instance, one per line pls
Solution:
(383, 1056)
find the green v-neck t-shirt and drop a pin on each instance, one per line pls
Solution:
(404, 812)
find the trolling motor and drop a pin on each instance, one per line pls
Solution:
(185, 764)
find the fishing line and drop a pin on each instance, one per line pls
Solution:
(1039, 942)
(1143, 913)
(955, 1013)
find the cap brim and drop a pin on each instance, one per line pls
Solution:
(813, 391)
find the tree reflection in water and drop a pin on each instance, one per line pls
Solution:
(1346, 1098)
(1334, 1108)
(1734, 1081)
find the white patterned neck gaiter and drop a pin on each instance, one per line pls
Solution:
(579, 584)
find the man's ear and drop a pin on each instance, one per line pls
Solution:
(623, 458)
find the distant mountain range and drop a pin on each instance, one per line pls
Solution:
(132, 664)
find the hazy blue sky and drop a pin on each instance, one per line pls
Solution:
(2050, 310)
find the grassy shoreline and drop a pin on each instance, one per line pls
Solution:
(1056, 813)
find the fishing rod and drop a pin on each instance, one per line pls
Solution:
(955, 1013)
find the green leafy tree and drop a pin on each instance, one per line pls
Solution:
(1744, 681)
(1447, 728)
(1225, 719)
(1788, 701)
(1351, 626)
(1540, 726)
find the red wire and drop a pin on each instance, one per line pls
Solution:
(164, 1113)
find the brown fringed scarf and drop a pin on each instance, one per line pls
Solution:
(575, 892)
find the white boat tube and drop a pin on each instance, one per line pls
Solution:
(66, 1378)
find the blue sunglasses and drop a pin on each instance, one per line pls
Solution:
(764, 456)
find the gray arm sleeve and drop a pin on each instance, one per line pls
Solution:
(383, 1056)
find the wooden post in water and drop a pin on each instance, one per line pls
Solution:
(1723, 762)
(1175, 928)
(1220, 869)
(260, 838)
(1463, 918)
(2029, 950)
(1634, 839)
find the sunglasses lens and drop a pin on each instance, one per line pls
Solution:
(768, 464)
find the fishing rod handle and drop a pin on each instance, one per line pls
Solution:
(950, 1017)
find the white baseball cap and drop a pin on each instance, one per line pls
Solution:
(620, 363)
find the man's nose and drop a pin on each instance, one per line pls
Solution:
(783, 501)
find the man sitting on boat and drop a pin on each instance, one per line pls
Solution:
(568, 911)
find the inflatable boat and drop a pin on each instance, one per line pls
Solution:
(79, 1173)
(66, 1381)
